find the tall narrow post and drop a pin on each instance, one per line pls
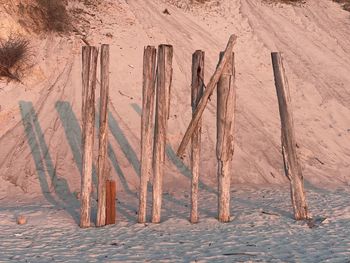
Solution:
(196, 94)
(103, 137)
(226, 100)
(164, 78)
(148, 90)
(89, 63)
(291, 163)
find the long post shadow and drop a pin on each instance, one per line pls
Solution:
(128, 151)
(74, 136)
(42, 158)
(184, 170)
(120, 137)
(73, 133)
(181, 167)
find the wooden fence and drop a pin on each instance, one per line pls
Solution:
(157, 80)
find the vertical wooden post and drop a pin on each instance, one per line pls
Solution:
(89, 61)
(103, 137)
(196, 94)
(110, 202)
(226, 98)
(148, 90)
(164, 78)
(290, 158)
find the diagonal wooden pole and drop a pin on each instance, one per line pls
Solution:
(204, 100)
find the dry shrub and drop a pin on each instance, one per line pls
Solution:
(91, 2)
(199, 1)
(14, 55)
(45, 15)
(192, 4)
(56, 15)
(290, 2)
(345, 4)
(286, 1)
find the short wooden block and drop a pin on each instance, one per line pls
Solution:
(110, 202)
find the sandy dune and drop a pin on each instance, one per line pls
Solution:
(40, 133)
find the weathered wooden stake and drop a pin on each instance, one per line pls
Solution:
(196, 94)
(164, 78)
(290, 158)
(110, 202)
(226, 100)
(148, 90)
(89, 63)
(207, 93)
(103, 137)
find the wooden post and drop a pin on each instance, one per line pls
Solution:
(226, 100)
(110, 202)
(196, 94)
(103, 137)
(164, 78)
(291, 163)
(89, 63)
(207, 93)
(148, 90)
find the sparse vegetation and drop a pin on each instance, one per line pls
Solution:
(56, 15)
(190, 4)
(345, 4)
(287, 1)
(14, 55)
(199, 1)
(45, 15)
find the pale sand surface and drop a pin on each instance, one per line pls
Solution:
(262, 230)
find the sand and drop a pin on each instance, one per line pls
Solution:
(262, 230)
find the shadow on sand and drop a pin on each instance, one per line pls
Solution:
(51, 185)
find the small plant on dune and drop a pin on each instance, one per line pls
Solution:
(14, 54)
(55, 14)
(198, 1)
(286, 1)
(45, 16)
(345, 4)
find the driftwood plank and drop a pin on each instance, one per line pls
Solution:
(204, 100)
(291, 163)
(110, 202)
(148, 90)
